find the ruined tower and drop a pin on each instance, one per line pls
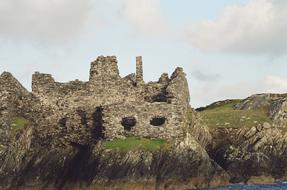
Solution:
(139, 70)
(104, 69)
(42, 82)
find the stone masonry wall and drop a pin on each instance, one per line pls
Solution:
(173, 127)
(119, 97)
(139, 70)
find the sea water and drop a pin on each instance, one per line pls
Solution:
(276, 186)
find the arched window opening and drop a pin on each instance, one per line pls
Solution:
(128, 123)
(158, 121)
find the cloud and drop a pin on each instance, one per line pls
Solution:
(257, 27)
(144, 15)
(199, 75)
(58, 21)
(276, 83)
(237, 90)
(211, 92)
(44, 20)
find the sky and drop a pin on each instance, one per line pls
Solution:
(228, 48)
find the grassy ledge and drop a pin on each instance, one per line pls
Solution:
(19, 123)
(134, 143)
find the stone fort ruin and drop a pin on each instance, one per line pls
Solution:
(114, 107)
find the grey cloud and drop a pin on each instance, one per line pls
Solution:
(144, 15)
(206, 77)
(237, 90)
(258, 27)
(44, 20)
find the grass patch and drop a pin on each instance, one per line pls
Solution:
(134, 143)
(225, 115)
(19, 123)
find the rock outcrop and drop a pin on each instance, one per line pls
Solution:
(256, 151)
(52, 137)
(44, 159)
(248, 152)
(275, 105)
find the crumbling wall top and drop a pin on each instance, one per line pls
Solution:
(9, 83)
(41, 80)
(178, 87)
(105, 86)
(104, 68)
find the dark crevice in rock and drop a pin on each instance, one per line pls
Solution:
(81, 168)
(98, 130)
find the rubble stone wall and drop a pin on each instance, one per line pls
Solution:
(173, 126)
(119, 97)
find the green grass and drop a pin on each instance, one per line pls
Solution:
(225, 116)
(19, 123)
(134, 143)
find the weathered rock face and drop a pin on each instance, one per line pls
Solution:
(40, 162)
(44, 159)
(278, 112)
(198, 129)
(247, 152)
(256, 101)
(275, 104)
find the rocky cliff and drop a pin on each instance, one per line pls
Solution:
(40, 157)
(57, 141)
(249, 137)
(230, 141)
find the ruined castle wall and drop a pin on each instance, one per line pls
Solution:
(155, 92)
(60, 96)
(178, 87)
(42, 83)
(172, 90)
(66, 97)
(173, 127)
(107, 87)
(104, 87)
(104, 69)
(166, 99)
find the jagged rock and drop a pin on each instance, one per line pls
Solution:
(275, 104)
(247, 152)
(266, 125)
(257, 101)
(278, 112)
(65, 166)
(198, 129)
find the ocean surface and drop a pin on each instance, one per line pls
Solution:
(276, 186)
